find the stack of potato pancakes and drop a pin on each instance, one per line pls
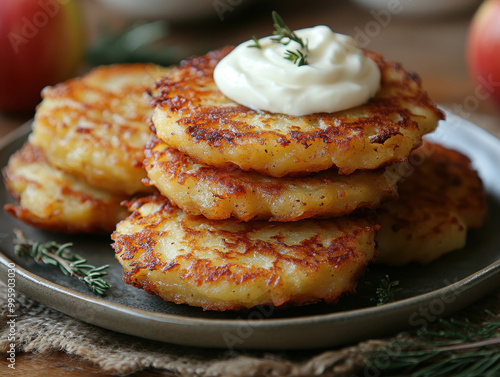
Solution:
(251, 208)
(266, 208)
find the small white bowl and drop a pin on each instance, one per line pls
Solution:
(172, 10)
(422, 8)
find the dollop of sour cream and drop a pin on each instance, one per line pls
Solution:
(338, 75)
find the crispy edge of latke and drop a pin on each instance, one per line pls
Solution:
(136, 276)
(233, 188)
(31, 154)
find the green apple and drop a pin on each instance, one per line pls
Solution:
(41, 43)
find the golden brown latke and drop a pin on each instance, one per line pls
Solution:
(440, 197)
(193, 116)
(230, 265)
(51, 199)
(96, 126)
(219, 193)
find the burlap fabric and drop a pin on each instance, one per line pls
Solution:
(42, 329)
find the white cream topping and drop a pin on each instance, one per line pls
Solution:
(338, 75)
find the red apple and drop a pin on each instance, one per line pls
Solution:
(41, 43)
(483, 48)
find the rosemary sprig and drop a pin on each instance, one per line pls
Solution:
(459, 332)
(385, 291)
(460, 348)
(61, 256)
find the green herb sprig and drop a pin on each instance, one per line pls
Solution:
(296, 57)
(256, 43)
(284, 35)
(69, 263)
(386, 291)
(461, 349)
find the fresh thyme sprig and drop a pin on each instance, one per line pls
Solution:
(61, 256)
(256, 43)
(284, 35)
(385, 291)
(461, 349)
(296, 57)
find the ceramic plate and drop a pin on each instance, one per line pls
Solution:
(428, 292)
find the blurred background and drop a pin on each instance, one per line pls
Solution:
(454, 45)
(432, 38)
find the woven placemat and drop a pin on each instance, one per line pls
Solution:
(42, 329)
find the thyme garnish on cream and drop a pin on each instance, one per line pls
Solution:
(284, 35)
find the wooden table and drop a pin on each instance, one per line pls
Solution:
(435, 48)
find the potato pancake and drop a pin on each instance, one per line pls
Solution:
(219, 193)
(53, 200)
(95, 127)
(193, 116)
(231, 265)
(439, 200)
